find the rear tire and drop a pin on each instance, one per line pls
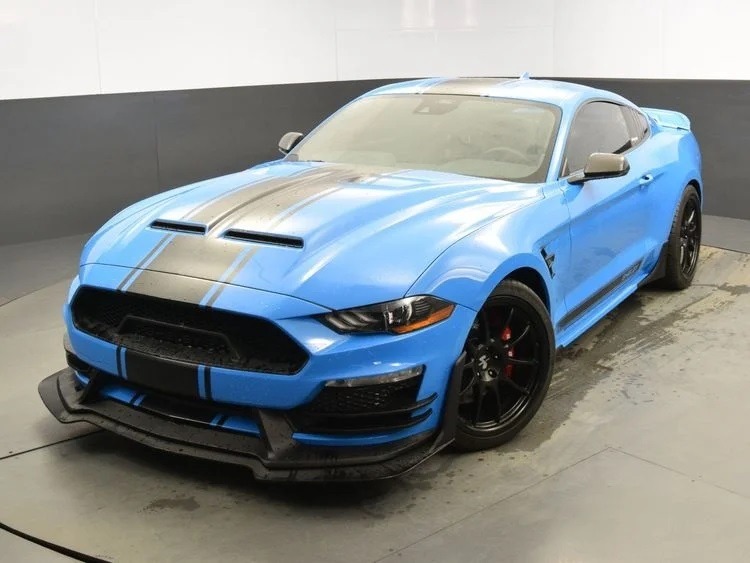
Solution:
(683, 246)
(509, 360)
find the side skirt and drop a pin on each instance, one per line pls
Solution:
(581, 319)
(599, 296)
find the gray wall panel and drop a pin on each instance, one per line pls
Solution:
(204, 133)
(719, 111)
(66, 164)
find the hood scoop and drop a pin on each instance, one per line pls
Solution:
(264, 238)
(179, 226)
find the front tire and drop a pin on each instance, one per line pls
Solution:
(684, 242)
(509, 361)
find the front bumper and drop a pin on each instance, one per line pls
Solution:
(273, 455)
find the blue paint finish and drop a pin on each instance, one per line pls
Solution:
(118, 393)
(357, 439)
(242, 424)
(381, 234)
(93, 351)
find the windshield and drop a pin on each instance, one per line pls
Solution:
(477, 136)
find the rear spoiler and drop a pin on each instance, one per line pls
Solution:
(668, 118)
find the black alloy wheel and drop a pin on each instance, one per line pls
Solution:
(683, 246)
(690, 238)
(508, 366)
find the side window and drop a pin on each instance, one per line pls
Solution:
(639, 125)
(597, 127)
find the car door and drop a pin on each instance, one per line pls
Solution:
(607, 222)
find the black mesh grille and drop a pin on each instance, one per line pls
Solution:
(186, 332)
(384, 407)
(370, 398)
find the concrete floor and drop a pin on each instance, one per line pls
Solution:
(638, 454)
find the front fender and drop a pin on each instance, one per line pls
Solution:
(467, 272)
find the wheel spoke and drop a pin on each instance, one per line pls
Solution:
(521, 362)
(520, 337)
(466, 396)
(486, 326)
(504, 317)
(473, 349)
(480, 403)
(499, 400)
(510, 317)
(510, 383)
(691, 218)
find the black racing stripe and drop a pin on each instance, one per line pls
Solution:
(170, 407)
(230, 276)
(285, 198)
(196, 215)
(231, 202)
(143, 261)
(210, 257)
(175, 288)
(207, 382)
(168, 376)
(207, 211)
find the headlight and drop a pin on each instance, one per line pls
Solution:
(400, 316)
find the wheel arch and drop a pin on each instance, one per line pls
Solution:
(531, 278)
(697, 185)
(471, 284)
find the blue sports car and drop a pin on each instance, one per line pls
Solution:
(399, 281)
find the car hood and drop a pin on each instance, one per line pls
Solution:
(334, 235)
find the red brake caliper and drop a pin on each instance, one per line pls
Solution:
(505, 337)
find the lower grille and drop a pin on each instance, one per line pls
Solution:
(185, 332)
(369, 408)
(192, 411)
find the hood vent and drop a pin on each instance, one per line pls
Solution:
(264, 238)
(179, 226)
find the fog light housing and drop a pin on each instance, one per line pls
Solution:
(392, 377)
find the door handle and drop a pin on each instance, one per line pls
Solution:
(646, 180)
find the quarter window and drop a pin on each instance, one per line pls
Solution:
(597, 127)
(639, 125)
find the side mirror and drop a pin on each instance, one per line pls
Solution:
(289, 141)
(602, 165)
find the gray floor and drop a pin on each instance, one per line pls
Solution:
(639, 454)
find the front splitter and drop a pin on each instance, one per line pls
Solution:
(274, 456)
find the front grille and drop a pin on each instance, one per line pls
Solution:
(185, 332)
(369, 408)
(369, 398)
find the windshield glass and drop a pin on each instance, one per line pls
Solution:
(477, 136)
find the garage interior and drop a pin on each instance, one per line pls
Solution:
(638, 452)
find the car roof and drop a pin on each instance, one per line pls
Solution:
(563, 94)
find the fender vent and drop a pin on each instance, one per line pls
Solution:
(179, 226)
(264, 238)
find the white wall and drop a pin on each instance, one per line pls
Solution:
(65, 47)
